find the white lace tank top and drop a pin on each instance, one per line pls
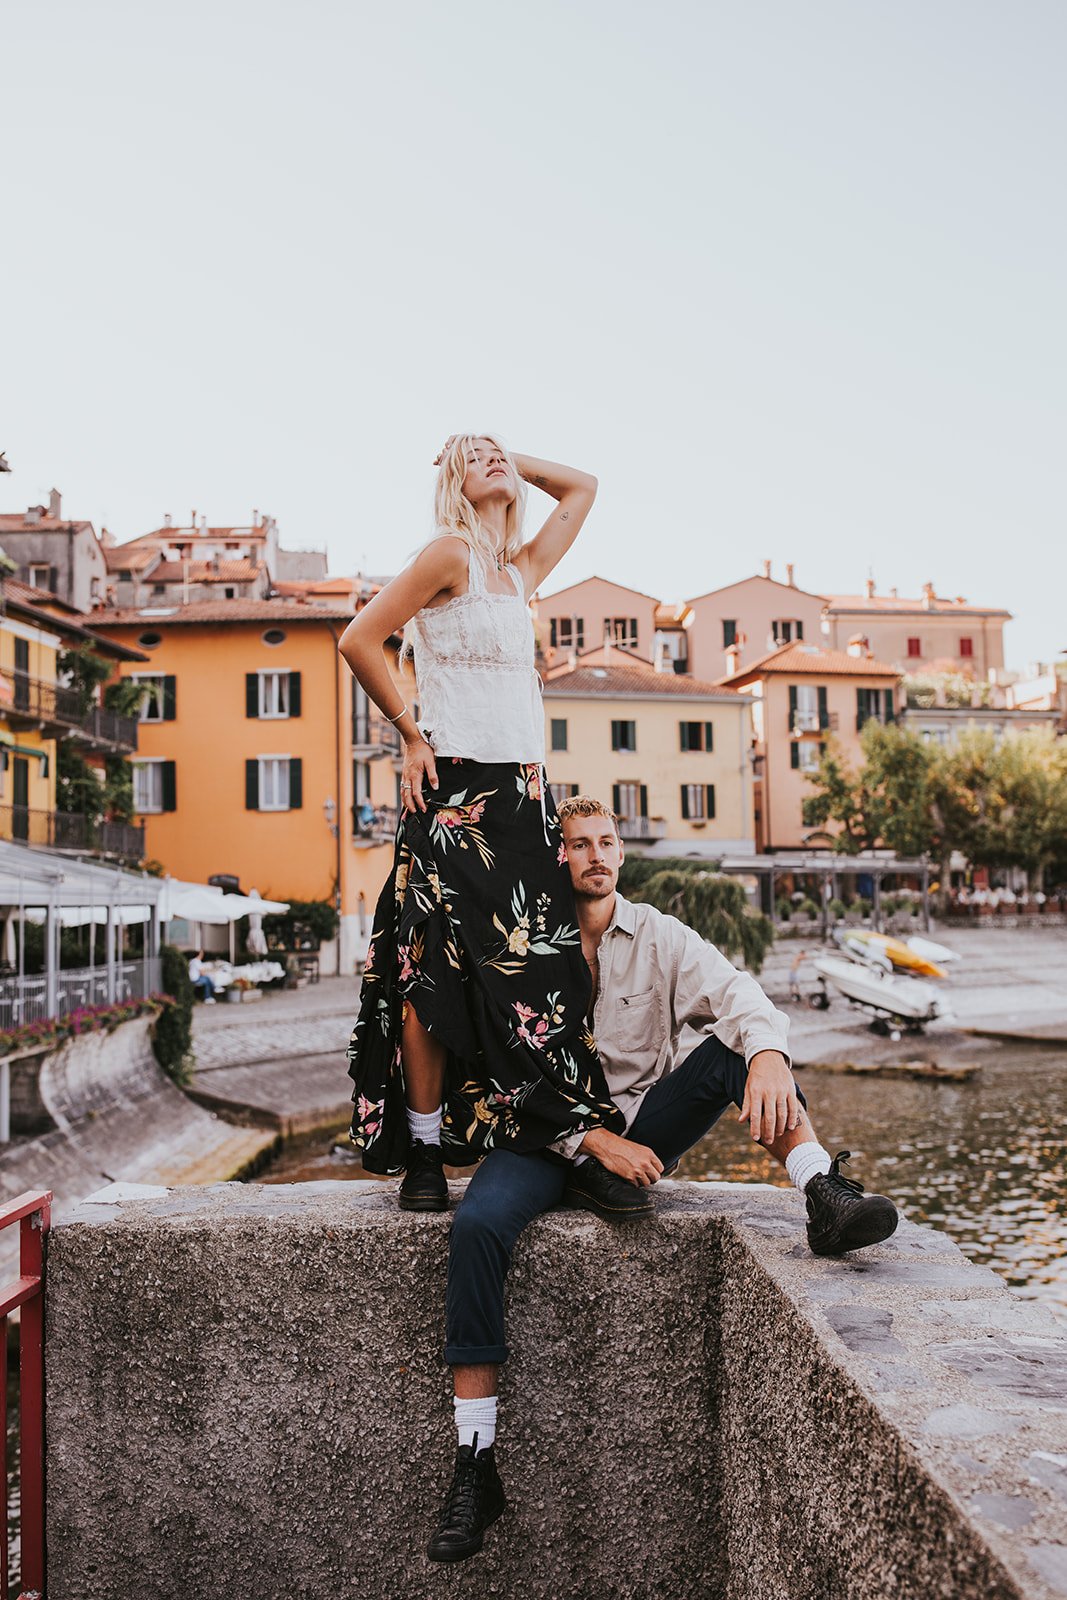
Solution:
(479, 693)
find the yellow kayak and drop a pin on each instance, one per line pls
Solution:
(903, 958)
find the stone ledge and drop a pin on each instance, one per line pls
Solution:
(246, 1380)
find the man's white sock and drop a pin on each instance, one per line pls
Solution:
(425, 1125)
(804, 1161)
(476, 1418)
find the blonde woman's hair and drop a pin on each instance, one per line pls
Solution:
(453, 512)
(584, 805)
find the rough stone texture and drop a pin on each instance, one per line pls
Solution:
(246, 1396)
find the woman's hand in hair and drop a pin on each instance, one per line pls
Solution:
(445, 448)
(419, 765)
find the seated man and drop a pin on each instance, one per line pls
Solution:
(651, 976)
(200, 979)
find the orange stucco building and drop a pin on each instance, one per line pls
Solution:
(258, 755)
(802, 695)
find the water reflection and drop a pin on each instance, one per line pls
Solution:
(983, 1160)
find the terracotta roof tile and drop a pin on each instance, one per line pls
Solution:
(241, 571)
(15, 522)
(937, 606)
(633, 681)
(217, 611)
(797, 659)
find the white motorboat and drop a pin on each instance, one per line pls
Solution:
(893, 1001)
(930, 951)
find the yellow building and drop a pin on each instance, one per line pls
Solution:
(669, 753)
(802, 694)
(259, 756)
(38, 711)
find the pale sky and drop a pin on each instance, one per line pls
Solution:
(788, 277)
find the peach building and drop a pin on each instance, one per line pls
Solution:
(750, 617)
(669, 753)
(259, 755)
(583, 616)
(931, 632)
(801, 694)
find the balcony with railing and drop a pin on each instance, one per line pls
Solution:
(70, 830)
(805, 721)
(636, 829)
(373, 737)
(34, 702)
(373, 826)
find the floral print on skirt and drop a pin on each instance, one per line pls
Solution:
(476, 928)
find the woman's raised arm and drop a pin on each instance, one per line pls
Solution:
(575, 492)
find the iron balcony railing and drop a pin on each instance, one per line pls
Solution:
(642, 828)
(69, 830)
(373, 736)
(813, 721)
(376, 828)
(32, 1211)
(58, 705)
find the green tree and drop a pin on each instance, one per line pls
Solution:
(888, 803)
(713, 905)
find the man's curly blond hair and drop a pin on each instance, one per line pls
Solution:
(584, 805)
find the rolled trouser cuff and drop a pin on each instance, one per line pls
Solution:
(475, 1355)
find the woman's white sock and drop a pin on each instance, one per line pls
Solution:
(804, 1161)
(425, 1125)
(476, 1418)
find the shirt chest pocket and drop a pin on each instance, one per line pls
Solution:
(637, 1022)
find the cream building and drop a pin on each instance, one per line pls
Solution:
(669, 753)
(802, 694)
(930, 632)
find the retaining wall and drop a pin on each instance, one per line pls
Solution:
(246, 1396)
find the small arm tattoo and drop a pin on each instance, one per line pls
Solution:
(564, 516)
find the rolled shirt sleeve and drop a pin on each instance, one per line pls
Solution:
(709, 993)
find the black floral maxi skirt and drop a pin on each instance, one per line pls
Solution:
(476, 928)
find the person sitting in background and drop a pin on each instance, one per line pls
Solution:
(200, 979)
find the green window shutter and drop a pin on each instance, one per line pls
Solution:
(792, 708)
(251, 694)
(170, 787)
(252, 785)
(683, 735)
(709, 736)
(685, 802)
(296, 783)
(890, 714)
(581, 634)
(559, 733)
(824, 714)
(552, 632)
(800, 629)
(644, 800)
(170, 697)
(710, 791)
(294, 694)
(794, 753)
(615, 798)
(615, 739)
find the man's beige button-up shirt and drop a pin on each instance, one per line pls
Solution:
(658, 978)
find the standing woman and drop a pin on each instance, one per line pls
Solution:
(472, 1031)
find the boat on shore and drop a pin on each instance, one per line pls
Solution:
(896, 1003)
(880, 949)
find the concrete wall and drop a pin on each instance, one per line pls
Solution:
(246, 1396)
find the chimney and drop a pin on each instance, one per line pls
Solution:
(893, 594)
(789, 578)
(870, 588)
(766, 569)
(55, 505)
(733, 659)
(168, 521)
(33, 515)
(255, 519)
(859, 646)
(928, 596)
(107, 539)
(663, 658)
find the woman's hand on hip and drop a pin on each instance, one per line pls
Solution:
(419, 764)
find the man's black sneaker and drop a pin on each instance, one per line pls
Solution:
(841, 1217)
(593, 1188)
(424, 1187)
(474, 1502)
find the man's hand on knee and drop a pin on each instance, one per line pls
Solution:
(770, 1106)
(635, 1162)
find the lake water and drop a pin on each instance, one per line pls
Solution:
(984, 1160)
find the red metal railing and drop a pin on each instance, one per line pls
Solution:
(33, 1212)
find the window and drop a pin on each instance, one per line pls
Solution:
(559, 733)
(807, 708)
(159, 588)
(696, 736)
(562, 791)
(621, 630)
(729, 632)
(624, 736)
(151, 707)
(149, 641)
(915, 648)
(966, 647)
(274, 636)
(41, 576)
(272, 694)
(786, 629)
(154, 786)
(874, 705)
(627, 800)
(274, 783)
(698, 802)
(809, 753)
(230, 594)
(567, 633)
